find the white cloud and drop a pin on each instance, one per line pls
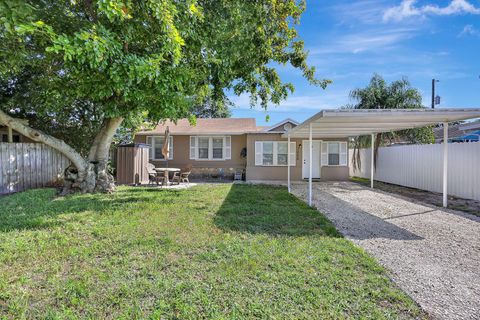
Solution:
(408, 9)
(373, 40)
(363, 11)
(327, 99)
(469, 30)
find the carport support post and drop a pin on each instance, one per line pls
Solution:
(288, 163)
(310, 158)
(445, 163)
(372, 161)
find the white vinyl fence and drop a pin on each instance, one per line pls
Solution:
(420, 166)
(29, 165)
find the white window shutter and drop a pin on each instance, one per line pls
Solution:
(227, 147)
(150, 147)
(324, 153)
(170, 148)
(193, 147)
(258, 153)
(293, 154)
(343, 153)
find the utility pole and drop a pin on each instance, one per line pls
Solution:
(433, 92)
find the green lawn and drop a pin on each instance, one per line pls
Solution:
(212, 251)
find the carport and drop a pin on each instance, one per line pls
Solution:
(344, 123)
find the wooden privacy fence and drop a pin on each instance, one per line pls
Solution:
(29, 165)
(421, 167)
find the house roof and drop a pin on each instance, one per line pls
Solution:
(457, 130)
(355, 122)
(279, 127)
(206, 126)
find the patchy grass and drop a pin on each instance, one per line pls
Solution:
(213, 251)
(455, 203)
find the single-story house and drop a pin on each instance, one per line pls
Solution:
(222, 146)
(314, 149)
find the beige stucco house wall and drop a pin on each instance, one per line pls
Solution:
(181, 156)
(275, 173)
(243, 134)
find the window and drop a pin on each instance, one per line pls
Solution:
(334, 153)
(217, 148)
(274, 153)
(203, 147)
(267, 153)
(210, 148)
(282, 153)
(156, 145)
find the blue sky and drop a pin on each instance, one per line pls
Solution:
(349, 41)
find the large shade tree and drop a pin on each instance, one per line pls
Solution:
(147, 60)
(379, 94)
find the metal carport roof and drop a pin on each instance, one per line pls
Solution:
(355, 122)
(340, 123)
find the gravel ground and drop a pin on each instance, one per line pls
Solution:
(432, 254)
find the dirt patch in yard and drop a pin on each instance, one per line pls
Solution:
(455, 203)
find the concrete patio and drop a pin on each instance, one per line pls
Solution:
(432, 253)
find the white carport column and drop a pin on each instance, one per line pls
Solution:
(372, 161)
(288, 165)
(310, 158)
(445, 164)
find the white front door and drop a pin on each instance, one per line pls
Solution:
(315, 159)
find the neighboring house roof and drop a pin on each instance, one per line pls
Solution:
(457, 130)
(281, 126)
(469, 137)
(206, 126)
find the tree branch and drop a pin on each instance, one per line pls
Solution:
(38, 136)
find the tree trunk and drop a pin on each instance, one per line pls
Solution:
(99, 154)
(83, 175)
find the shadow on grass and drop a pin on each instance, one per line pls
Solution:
(270, 210)
(39, 208)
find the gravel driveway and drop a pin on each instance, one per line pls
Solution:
(432, 254)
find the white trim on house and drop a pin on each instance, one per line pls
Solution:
(226, 147)
(152, 148)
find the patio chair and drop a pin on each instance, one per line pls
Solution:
(182, 176)
(154, 176)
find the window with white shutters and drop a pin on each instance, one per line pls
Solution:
(334, 153)
(274, 153)
(210, 147)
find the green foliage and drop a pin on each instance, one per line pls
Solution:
(157, 59)
(210, 252)
(397, 95)
(213, 109)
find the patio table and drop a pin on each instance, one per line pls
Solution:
(168, 170)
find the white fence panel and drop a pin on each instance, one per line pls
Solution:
(420, 166)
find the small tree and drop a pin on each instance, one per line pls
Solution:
(140, 60)
(380, 95)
